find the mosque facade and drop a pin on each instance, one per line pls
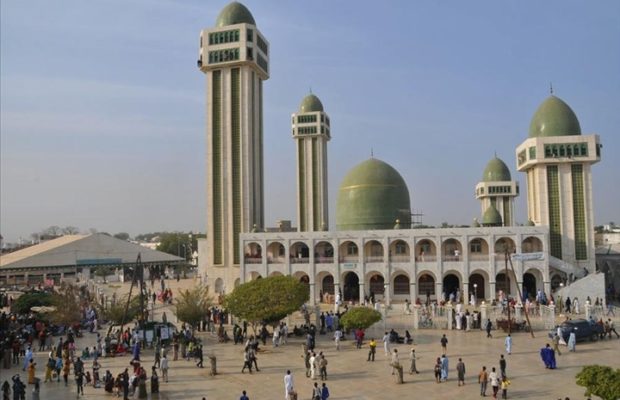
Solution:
(374, 249)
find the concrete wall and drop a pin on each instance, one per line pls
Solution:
(592, 285)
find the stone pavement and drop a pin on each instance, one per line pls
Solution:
(350, 376)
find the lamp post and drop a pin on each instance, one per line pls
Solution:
(475, 291)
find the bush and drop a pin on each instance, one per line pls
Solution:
(600, 381)
(360, 318)
(26, 301)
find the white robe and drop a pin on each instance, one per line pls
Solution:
(508, 344)
(288, 386)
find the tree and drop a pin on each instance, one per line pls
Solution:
(116, 313)
(600, 381)
(70, 230)
(26, 301)
(360, 318)
(103, 272)
(267, 300)
(192, 304)
(122, 235)
(67, 306)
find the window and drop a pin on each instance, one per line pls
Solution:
(305, 119)
(475, 246)
(224, 55)
(262, 45)
(579, 217)
(351, 249)
(532, 151)
(521, 157)
(250, 35)
(262, 63)
(400, 248)
(224, 37)
(401, 284)
(553, 195)
(426, 285)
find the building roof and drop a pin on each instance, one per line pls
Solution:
(491, 217)
(234, 13)
(373, 195)
(496, 171)
(310, 103)
(554, 118)
(93, 249)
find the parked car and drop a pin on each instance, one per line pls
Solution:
(583, 330)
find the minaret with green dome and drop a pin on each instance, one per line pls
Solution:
(498, 190)
(557, 160)
(234, 56)
(311, 131)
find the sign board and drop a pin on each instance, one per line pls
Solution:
(149, 336)
(528, 256)
(349, 265)
(164, 333)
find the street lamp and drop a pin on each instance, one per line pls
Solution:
(476, 291)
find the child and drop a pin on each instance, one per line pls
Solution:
(504, 385)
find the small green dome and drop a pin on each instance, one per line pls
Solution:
(234, 13)
(310, 103)
(530, 223)
(372, 196)
(554, 118)
(475, 224)
(496, 171)
(491, 217)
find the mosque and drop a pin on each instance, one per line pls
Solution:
(375, 248)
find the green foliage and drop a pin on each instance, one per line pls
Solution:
(26, 301)
(192, 304)
(116, 313)
(122, 235)
(360, 318)
(67, 306)
(600, 381)
(178, 244)
(103, 271)
(267, 300)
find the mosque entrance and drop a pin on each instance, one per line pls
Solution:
(328, 285)
(451, 284)
(351, 290)
(476, 286)
(501, 283)
(529, 286)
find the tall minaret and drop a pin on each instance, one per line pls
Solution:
(235, 58)
(311, 130)
(557, 160)
(499, 190)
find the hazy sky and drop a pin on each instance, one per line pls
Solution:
(102, 106)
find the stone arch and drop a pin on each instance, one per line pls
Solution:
(300, 253)
(532, 282)
(373, 251)
(400, 284)
(478, 249)
(451, 250)
(557, 281)
(276, 273)
(324, 253)
(425, 250)
(255, 275)
(426, 283)
(531, 244)
(276, 253)
(349, 251)
(399, 251)
(302, 276)
(351, 286)
(479, 278)
(503, 282)
(237, 282)
(253, 253)
(327, 283)
(452, 282)
(504, 243)
(219, 286)
(376, 282)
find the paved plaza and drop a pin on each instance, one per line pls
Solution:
(350, 376)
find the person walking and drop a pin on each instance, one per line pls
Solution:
(572, 341)
(494, 379)
(164, 368)
(386, 344)
(413, 358)
(437, 370)
(244, 396)
(483, 379)
(324, 392)
(372, 345)
(313, 366)
(444, 368)
(79, 380)
(316, 392)
(556, 344)
(289, 390)
(489, 326)
(502, 365)
(444, 344)
(337, 337)
(460, 370)
(504, 385)
(612, 328)
(246, 361)
(508, 343)
(322, 361)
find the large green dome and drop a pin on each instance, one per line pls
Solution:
(234, 13)
(554, 118)
(496, 171)
(372, 195)
(310, 103)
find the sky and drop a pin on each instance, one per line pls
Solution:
(102, 108)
